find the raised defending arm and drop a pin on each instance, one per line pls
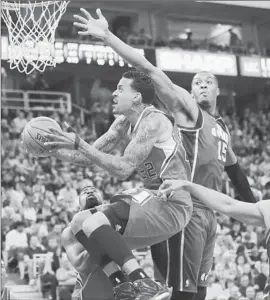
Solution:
(176, 98)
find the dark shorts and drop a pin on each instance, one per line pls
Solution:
(96, 286)
(145, 219)
(190, 253)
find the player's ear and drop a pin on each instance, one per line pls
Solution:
(138, 99)
(218, 92)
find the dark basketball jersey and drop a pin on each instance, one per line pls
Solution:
(206, 147)
(96, 286)
(167, 160)
(267, 288)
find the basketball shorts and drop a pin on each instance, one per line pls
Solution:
(185, 260)
(145, 219)
(190, 266)
(96, 286)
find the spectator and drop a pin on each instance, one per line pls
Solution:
(34, 248)
(28, 212)
(69, 195)
(244, 283)
(19, 122)
(250, 293)
(80, 182)
(16, 244)
(214, 289)
(48, 279)
(66, 277)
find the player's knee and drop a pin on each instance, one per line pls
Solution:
(94, 222)
(201, 294)
(78, 219)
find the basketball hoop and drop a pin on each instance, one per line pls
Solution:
(31, 27)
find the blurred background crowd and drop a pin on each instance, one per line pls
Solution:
(39, 196)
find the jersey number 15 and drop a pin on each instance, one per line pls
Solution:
(222, 150)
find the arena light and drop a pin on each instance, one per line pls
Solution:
(256, 4)
(72, 52)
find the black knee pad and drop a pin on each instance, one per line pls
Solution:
(201, 294)
(177, 295)
(118, 215)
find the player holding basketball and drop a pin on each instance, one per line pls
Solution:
(153, 148)
(207, 142)
(256, 214)
(92, 283)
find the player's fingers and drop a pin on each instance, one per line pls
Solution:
(55, 145)
(54, 138)
(99, 13)
(83, 32)
(56, 131)
(166, 191)
(165, 184)
(81, 19)
(86, 13)
(80, 25)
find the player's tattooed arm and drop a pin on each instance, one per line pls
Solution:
(106, 143)
(112, 138)
(135, 153)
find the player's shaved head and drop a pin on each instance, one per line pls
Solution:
(205, 74)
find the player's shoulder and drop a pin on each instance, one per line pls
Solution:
(156, 120)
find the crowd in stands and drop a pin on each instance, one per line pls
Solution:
(39, 196)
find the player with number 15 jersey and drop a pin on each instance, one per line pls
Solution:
(206, 145)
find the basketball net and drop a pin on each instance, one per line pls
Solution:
(31, 28)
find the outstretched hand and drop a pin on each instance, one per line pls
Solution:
(95, 27)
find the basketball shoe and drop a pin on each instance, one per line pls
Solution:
(125, 291)
(148, 289)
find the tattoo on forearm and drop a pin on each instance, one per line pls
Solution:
(73, 156)
(135, 153)
(114, 164)
(108, 141)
